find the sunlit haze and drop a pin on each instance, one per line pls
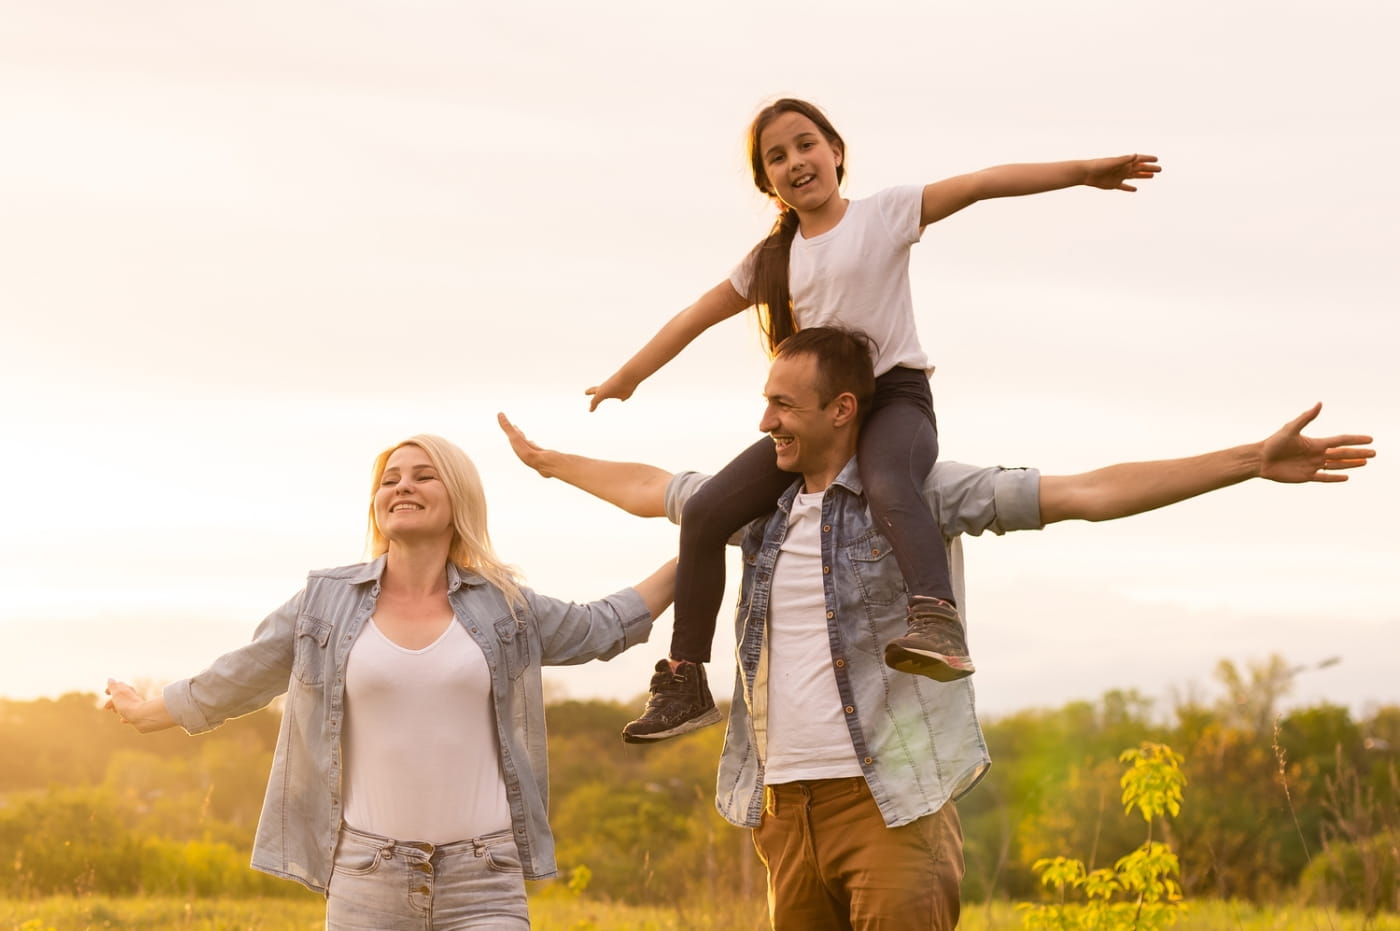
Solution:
(243, 247)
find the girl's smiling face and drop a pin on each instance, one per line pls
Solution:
(800, 162)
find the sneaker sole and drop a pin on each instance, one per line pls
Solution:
(930, 665)
(685, 727)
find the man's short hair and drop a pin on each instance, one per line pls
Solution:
(844, 362)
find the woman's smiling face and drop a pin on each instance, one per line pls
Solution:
(411, 500)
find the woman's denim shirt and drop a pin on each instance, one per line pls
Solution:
(917, 741)
(302, 648)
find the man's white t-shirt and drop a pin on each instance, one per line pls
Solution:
(807, 736)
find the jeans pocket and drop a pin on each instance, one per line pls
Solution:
(504, 857)
(356, 858)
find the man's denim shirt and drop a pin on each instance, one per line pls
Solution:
(302, 648)
(917, 741)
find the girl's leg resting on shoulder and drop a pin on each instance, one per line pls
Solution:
(744, 490)
(897, 448)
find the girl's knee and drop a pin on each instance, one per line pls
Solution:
(704, 519)
(886, 492)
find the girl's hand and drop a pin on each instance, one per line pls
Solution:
(615, 387)
(1113, 174)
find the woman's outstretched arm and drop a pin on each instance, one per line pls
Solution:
(144, 714)
(633, 486)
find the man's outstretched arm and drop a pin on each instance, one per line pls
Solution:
(1133, 487)
(633, 486)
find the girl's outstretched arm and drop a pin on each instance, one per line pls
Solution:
(718, 303)
(947, 197)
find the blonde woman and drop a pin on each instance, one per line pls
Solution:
(409, 781)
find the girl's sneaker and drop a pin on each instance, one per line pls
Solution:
(680, 702)
(935, 645)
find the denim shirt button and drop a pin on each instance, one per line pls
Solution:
(850, 709)
(826, 570)
(869, 760)
(840, 664)
(830, 615)
(826, 528)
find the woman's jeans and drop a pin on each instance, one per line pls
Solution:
(380, 884)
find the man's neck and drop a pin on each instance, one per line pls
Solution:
(821, 479)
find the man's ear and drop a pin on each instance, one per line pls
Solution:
(845, 407)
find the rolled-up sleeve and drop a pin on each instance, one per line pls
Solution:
(970, 499)
(576, 633)
(239, 682)
(679, 490)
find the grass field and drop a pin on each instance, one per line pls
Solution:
(564, 914)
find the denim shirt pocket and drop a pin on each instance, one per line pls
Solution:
(876, 573)
(309, 650)
(515, 645)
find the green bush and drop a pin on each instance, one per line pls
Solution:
(67, 841)
(1355, 875)
(1141, 891)
(204, 869)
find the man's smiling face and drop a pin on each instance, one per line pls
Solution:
(802, 427)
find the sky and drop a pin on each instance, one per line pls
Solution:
(244, 247)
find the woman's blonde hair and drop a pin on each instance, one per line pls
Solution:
(471, 541)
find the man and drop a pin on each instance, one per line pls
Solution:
(846, 770)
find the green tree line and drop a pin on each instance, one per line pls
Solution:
(1299, 806)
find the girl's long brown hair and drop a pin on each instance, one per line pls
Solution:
(770, 290)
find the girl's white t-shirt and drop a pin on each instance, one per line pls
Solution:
(856, 275)
(422, 761)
